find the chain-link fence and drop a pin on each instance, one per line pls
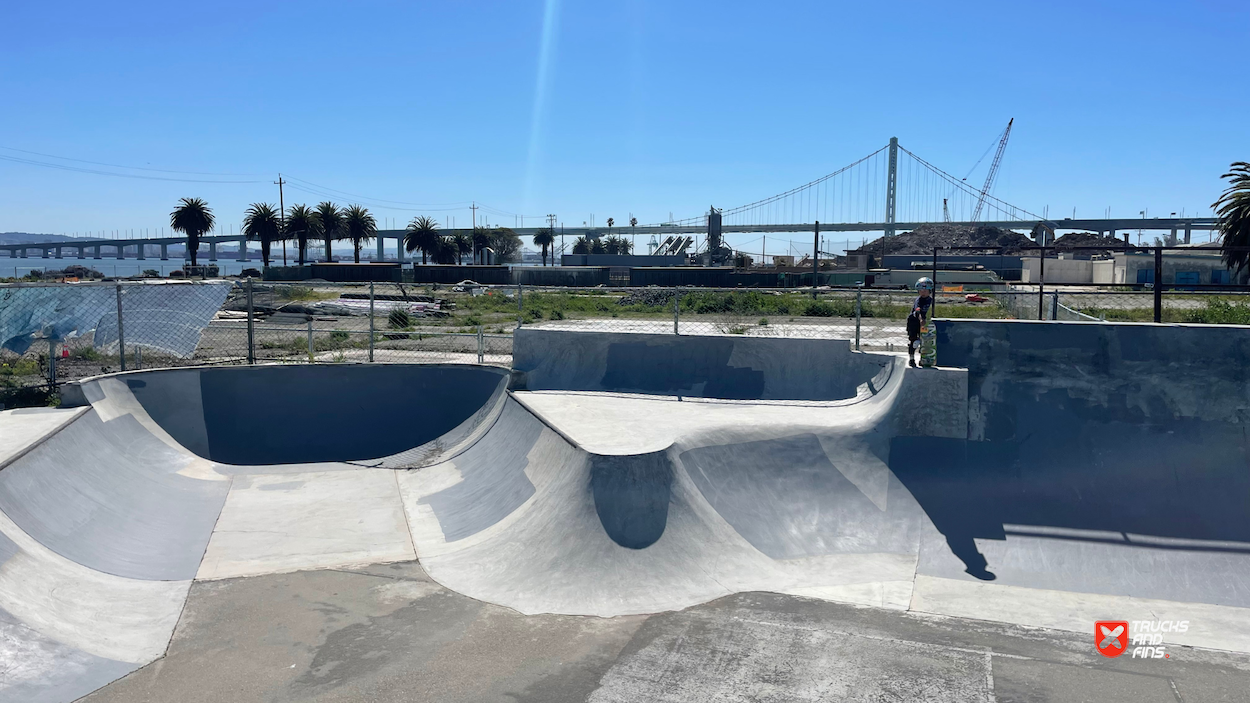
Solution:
(1109, 280)
(51, 333)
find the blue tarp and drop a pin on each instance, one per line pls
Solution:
(165, 317)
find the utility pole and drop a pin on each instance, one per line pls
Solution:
(473, 232)
(282, 215)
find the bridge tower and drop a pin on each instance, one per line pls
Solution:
(891, 185)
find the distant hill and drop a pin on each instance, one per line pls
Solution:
(20, 237)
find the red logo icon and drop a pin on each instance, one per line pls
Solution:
(1111, 637)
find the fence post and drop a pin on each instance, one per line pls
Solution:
(520, 309)
(52, 364)
(1158, 284)
(251, 326)
(1041, 278)
(121, 330)
(815, 259)
(371, 333)
(676, 306)
(1054, 306)
(859, 301)
(311, 357)
(481, 346)
(933, 303)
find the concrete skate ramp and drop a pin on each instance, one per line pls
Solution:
(729, 367)
(105, 518)
(1065, 473)
(305, 413)
(792, 499)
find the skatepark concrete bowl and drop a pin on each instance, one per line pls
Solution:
(1045, 477)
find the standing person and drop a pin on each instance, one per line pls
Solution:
(918, 317)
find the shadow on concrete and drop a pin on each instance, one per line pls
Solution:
(631, 496)
(1186, 480)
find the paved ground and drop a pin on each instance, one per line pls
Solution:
(389, 633)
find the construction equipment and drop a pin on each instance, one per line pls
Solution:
(989, 179)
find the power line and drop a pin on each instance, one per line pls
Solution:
(428, 206)
(64, 167)
(133, 168)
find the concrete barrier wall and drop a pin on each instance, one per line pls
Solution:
(730, 367)
(1097, 371)
(1117, 449)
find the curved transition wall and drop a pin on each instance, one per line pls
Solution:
(306, 413)
(728, 367)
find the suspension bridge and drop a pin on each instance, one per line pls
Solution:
(891, 190)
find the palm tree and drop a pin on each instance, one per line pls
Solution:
(596, 247)
(262, 224)
(331, 218)
(302, 224)
(463, 244)
(359, 226)
(1233, 208)
(544, 239)
(193, 218)
(581, 246)
(422, 235)
(446, 251)
(617, 244)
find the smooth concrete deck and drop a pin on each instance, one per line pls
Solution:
(573, 502)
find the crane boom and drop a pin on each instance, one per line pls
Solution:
(989, 179)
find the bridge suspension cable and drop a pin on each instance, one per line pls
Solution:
(857, 193)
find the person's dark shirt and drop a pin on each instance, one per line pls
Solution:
(923, 302)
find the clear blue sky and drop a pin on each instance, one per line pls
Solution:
(647, 107)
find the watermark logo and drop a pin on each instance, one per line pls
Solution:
(1144, 638)
(1111, 637)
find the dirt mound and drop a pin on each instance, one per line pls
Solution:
(925, 238)
(1089, 239)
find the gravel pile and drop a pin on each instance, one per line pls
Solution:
(1089, 239)
(923, 239)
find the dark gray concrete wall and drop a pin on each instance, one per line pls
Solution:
(1123, 442)
(731, 367)
(310, 413)
(1129, 372)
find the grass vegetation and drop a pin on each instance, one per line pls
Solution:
(304, 293)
